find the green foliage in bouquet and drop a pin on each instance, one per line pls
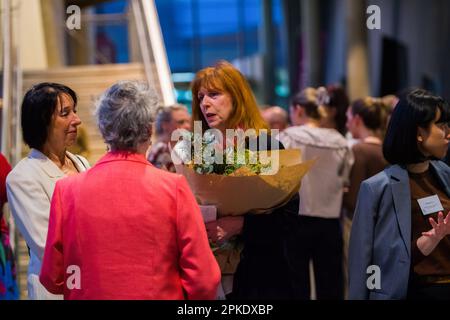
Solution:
(248, 167)
(218, 161)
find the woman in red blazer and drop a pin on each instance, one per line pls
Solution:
(125, 229)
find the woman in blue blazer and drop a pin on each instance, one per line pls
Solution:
(400, 243)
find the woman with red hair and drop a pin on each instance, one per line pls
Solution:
(223, 99)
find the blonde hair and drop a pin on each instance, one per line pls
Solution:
(313, 101)
(373, 112)
(225, 78)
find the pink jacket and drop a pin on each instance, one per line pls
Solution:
(126, 230)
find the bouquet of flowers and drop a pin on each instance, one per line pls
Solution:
(236, 181)
(218, 161)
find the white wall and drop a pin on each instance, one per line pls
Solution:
(29, 34)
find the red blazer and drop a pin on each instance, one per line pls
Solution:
(5, 168)
(127, 230)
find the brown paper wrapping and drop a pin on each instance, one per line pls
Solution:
(238, 195)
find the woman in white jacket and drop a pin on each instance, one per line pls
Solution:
(49, 125)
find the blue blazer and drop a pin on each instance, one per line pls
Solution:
(381, 232)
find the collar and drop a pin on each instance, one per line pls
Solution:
(373, 140)
(399, 174)
(123, 156)
(401, 193)
(49, 167)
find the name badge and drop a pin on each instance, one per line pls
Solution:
(430, 205)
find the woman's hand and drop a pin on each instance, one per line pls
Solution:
(440, 229)
(430, 239)
(225, 228)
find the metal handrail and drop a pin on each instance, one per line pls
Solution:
(7, 76)
(152, 45)
(11, 139)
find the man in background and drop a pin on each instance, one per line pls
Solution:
(168, 119)
(276, 117)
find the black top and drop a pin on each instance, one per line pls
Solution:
(267, 267)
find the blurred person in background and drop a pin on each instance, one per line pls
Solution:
(336, 107)
(366, 120)
(49, 126)
(276, 117)
(389, 101)
(321, 192)
(168, 119)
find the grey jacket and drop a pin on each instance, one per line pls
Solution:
(381, 232)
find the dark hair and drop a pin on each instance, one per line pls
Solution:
(372, 111)
(38, 107)
(415, 109)
(339, 100)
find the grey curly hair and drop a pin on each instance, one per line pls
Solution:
(125, 114)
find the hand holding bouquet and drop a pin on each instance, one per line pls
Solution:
(236, 181)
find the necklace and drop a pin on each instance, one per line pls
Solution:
(373, 140)
(69, 167)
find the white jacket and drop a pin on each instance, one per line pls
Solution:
(29, 189)
(322, 187)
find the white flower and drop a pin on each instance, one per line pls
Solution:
(209, 138)
(186, 135)
(229, 155)
(204, 169)
(197, 139)
(183, 150)
(209, 168)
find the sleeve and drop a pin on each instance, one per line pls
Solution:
(416, 254)
(361, 242)
(30, 206)
(52, 270)
(348, 162)
(200, 273)
(357, 175)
